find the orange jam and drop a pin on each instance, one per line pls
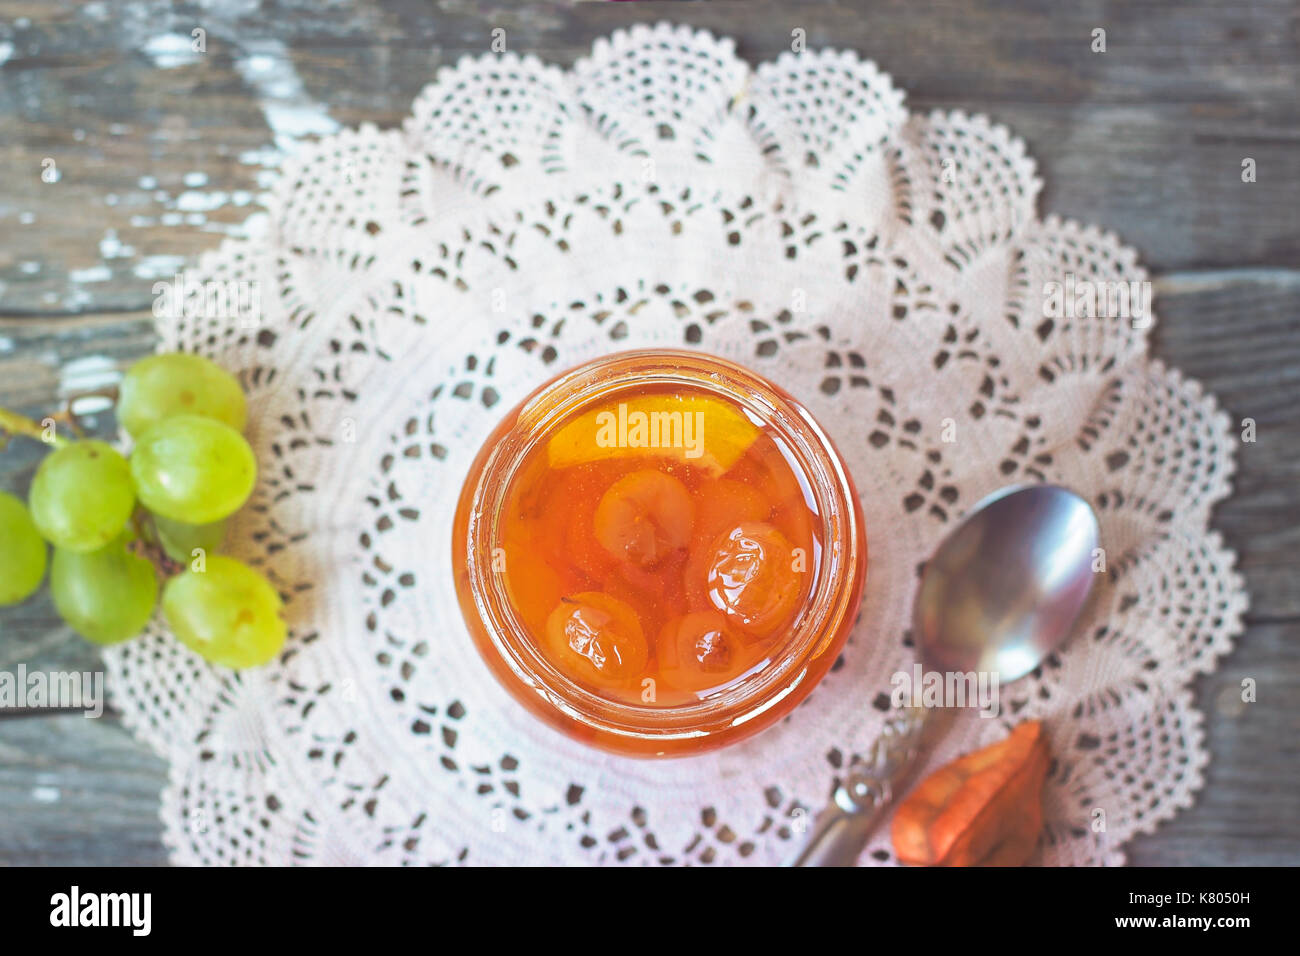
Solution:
(658, 575)
(646, 565)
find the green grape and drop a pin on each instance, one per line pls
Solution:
(22, 551)
(193, 470)
(227, 613)
(106, 595)
(81, 497)
(181, 540)
(177, 383)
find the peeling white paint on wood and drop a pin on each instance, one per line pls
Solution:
(87, 374)
(267, 66)
(99, 273)
(158, 267)
(171, 50)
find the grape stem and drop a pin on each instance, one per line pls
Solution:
(11, 423)
(146, 544)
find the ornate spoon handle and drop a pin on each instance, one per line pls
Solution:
(841, 830)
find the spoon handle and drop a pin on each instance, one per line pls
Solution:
(841, 830)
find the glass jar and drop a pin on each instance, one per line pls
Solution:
(516, 644)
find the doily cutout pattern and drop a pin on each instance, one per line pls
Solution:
(886, 268)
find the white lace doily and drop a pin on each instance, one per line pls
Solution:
(885, 268)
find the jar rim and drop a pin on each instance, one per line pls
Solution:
(835, 590)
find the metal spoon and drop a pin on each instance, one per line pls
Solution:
(1002, 591)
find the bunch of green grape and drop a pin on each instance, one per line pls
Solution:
(116, 523)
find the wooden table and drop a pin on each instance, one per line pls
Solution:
(157, 153)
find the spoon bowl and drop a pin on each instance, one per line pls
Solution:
(1005, 587)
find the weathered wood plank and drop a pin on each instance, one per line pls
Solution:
(1146, 138)
(1248, 812)
(76, 791)
(1239, 334)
